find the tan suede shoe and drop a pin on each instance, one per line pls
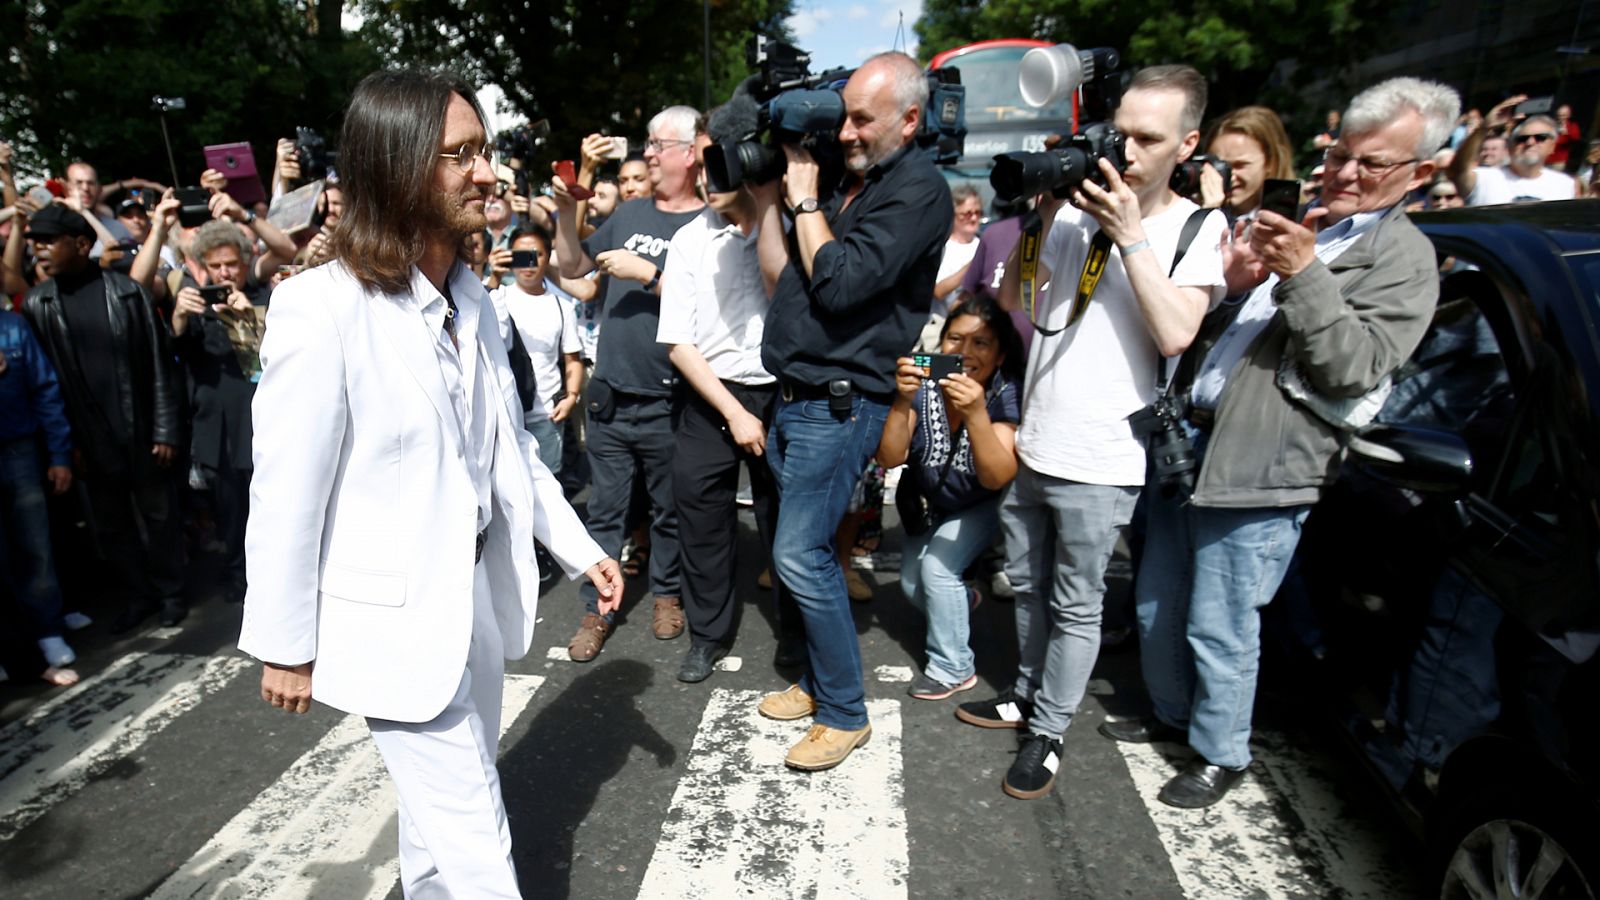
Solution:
(790, 704)
(590, 638)
(824, 747)
(667, 620)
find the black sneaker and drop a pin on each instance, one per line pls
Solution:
(926, 687)
(1005, 711)
(1034, 770)
(699, 661)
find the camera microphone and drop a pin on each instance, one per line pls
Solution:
(739, 118)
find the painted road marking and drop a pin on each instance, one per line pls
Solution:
(742, 824)
(52, 753)
(894, 674)
(1246, 846)
(326, 828)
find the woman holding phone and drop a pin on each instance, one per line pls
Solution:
(957, 436)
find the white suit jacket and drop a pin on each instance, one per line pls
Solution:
(363, 518)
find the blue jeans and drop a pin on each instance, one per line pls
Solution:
(817, 457)
(1059, 538)
(548, 434)
(25, 537)
(1205, 575)
(930, 576)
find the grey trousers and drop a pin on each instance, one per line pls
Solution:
(1059, 537)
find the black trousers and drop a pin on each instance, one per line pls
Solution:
(705, 480)
(230, 496)
(139, 529)
(635, 437)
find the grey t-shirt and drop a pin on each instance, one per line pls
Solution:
(627, 356)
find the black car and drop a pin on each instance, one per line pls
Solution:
(1447, 594)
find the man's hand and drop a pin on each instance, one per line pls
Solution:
(317, 251)
(1115, 207)
(565, 202)
(188, 303)
(213, 181)
(519, 203)
(1500, 114)
(237, 300)
(1285, 247)
(223, 206)
(592, 154)
(803, 175)
(288, 161)
(748, 432)
(607, 578)
(626, 264)
(287, 687)
(563, 408)
(164, 454)
(110, 255)
(1241, 268)
(965, 394)
(60, 478)
(166, 214)
(500, 261)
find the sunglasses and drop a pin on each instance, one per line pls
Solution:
(1539, 138)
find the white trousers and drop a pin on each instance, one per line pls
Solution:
(454, 841)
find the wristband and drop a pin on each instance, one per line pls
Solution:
(651, 284)
(1134, 248)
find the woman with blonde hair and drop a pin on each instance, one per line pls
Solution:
(1254, 144)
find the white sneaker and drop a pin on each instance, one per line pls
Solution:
(56, 652)
(76, 621)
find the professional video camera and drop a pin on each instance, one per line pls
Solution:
(1185, 180)
(785, 104)
(1047, 75)
(315, 157)
(518, 145)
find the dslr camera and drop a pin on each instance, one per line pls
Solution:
(315, 157)
(1046, 76)
(1186, 175)
(517, 147)
(785, 104)
(1171, 453)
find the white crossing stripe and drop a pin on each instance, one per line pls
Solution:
(326, 828)
(893, 674)
(1245, 846)
(743, 824)
(49, 755)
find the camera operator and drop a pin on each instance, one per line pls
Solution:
(631, 393)
(1254, 144)
(852, 286)
(1094, 362)
(1341, 300)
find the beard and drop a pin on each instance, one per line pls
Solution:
(452, 215)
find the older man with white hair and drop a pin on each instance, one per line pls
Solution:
(1341, 299)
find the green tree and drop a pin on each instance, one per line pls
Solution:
(585, 65)
(1242, 46)
(80, 75)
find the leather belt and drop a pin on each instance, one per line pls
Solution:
(483, 538)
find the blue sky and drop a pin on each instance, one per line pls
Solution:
(845, 32)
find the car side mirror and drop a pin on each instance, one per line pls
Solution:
(1410, 456)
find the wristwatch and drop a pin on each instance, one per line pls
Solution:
(808, 205)
(249, 217)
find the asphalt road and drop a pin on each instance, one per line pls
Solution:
(164, 775)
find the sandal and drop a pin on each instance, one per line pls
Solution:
(59, 677)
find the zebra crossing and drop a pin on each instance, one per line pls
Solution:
(737, 824)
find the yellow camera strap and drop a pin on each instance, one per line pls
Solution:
(1094, 266)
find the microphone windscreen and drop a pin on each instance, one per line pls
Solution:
(738, 118)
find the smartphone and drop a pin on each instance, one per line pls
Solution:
(569, 174)
(938, 365)
(1282, 196)
(41, 196)
(196, 209)
(619, 148)
(524, 259)
(238, 163)
(214, 294)
(1534, 106)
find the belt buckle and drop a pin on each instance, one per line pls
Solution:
(787, 391)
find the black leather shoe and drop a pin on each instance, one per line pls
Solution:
(791, 651)
(1144, 731)
(1200, 785)
(699, 661)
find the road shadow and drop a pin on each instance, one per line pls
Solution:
(550, 780)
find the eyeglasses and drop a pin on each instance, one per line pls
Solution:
(970, 213)
(1538, 138)
(1336, 159)
(465, 158)
(658, 144)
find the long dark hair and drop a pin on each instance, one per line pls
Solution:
(387, 153)
(984, 308)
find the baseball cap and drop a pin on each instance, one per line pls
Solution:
(129, 205)
(54, 221)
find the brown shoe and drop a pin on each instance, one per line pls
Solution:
(857, 586)
(590, 638)
(793, 703)
(668, 621)
(824, 747)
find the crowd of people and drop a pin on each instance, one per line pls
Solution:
(664, 332)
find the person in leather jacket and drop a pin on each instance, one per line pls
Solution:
(124, 399)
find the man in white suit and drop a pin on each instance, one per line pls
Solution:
(397, 495)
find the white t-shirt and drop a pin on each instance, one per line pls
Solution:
(548, 332)
(1083, 383)
(1498, 184)
(712, 297)
(956, 255)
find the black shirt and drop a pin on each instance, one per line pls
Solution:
(628, 357)
(871, 287)
(83, 300)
